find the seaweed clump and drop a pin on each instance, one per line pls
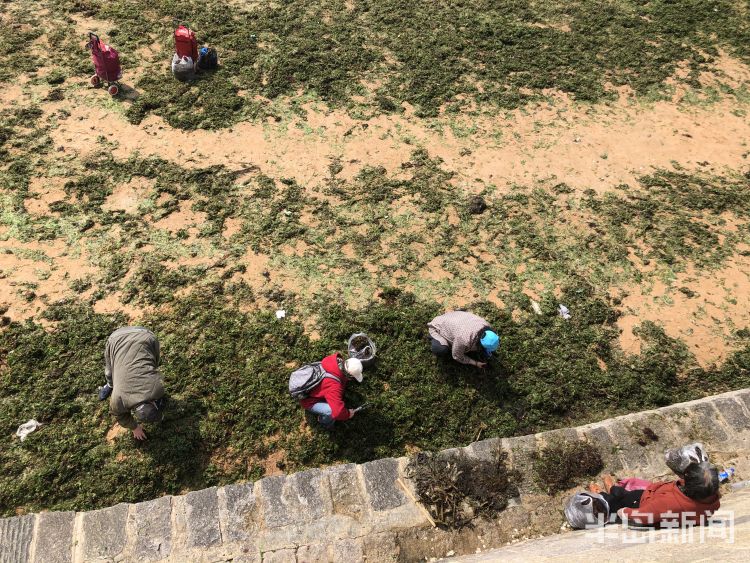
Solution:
(458, 489)
(559, 467)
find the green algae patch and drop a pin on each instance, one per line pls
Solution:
(373, 56)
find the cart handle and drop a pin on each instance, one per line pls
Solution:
(92, 36)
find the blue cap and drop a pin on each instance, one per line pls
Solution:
(490, 341)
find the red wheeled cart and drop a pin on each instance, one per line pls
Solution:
(106, 63)
(185, 43)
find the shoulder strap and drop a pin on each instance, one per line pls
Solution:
(331, 376)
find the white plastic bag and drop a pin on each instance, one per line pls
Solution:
(678, 459)
(183, 68)
(585, 510)
(27, 428)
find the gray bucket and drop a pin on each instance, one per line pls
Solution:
(361, 347)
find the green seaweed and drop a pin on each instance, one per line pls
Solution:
(397, 224)
(226, 372)
(19, 33)
(437, 57)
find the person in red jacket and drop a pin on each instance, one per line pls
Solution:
(327, 399)
(689, 500)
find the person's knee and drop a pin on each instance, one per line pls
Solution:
(321, 409)
(324, 409)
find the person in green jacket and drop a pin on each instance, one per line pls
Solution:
(131, 362)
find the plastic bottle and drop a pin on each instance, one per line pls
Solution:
(726, 475)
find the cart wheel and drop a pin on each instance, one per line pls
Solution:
(113, 89)
(95, 81)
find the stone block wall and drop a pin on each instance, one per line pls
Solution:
(352, 513)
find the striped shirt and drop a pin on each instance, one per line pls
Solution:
(461, 331)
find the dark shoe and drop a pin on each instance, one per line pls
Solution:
(328, 427)
(105, 392)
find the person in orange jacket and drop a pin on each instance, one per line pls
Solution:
(327, 399)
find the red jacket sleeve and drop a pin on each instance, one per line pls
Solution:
(333, 392)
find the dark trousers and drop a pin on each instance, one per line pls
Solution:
(439, 349)
(618, 498)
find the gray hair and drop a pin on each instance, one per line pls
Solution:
(701, 481)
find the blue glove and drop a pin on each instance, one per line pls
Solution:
(105, 392)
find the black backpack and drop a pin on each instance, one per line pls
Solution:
(207, 58)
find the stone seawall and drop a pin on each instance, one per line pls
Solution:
(353, 513)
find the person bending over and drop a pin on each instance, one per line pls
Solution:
(327, 398)
(458, 333)
(131, 361)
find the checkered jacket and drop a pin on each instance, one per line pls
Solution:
(461, 331)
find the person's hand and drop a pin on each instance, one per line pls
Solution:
(621, 514)
(352, 412)
(138, 433)
(481, 365)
